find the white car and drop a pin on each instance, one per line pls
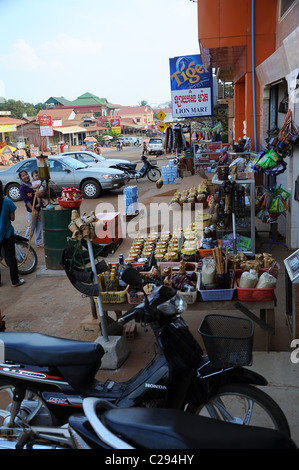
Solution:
(155, 146)
(93, 159)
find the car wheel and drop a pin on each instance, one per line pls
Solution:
(91, 189)
(13, 192)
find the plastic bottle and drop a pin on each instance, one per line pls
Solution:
(113, 283)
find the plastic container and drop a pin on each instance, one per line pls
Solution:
(69, 204)
(214, 294)
(204, 252)
(228, 340)
(118, 297)
(254, 294)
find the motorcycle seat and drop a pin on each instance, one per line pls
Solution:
(43, 350)
(172, 429)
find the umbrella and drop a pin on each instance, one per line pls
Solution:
(90, 139)
(108, 137)
(7, 149)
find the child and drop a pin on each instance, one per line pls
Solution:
(37, 185)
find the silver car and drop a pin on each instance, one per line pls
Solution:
(92, 158)
(64, 172)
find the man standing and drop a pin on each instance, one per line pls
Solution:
(7, 237)
(27, 194)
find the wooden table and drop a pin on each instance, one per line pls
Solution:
(265, 318)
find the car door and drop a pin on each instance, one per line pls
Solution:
(61, 174)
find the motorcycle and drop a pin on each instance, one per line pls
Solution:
(44, 380)
(104, 426)
(27, 259)
(149, 169)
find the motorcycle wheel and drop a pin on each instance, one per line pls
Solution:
(243, 404)
(32, 409)
(153, 174)
(30, 264)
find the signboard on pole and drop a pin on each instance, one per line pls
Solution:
(45, 125)
(191, 87)
(115, 125)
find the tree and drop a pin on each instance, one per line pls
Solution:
(18, 108)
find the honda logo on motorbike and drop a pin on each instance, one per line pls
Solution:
(161, 387)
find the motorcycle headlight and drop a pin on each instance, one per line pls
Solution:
(174, 305)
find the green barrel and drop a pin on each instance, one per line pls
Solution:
(56, 232)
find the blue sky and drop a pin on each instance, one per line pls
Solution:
(116, 49)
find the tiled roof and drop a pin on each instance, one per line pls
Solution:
(134, 110)
(62, 114)
(88, 99)
(4, 120)
(59, 99)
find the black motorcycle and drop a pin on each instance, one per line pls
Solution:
(104, 426)
(149, 169)
(43, 379)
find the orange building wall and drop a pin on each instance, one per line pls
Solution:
(227, 24)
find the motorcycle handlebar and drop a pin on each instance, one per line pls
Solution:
(130, 315)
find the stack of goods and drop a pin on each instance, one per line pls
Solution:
(169, 173)
(191, 196)
(183, 280)
(70, 197)
(209, 239)
(261, 261)
(189, 248)
(201, 221)
(164, 246)
(83, 228)
(131, 200)
(112, 288)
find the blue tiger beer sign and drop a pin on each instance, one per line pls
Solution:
(191, 87)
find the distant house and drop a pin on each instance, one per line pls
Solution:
(141, 116)
(56, 101)
(8, 127)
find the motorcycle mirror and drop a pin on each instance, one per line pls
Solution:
(131, 276)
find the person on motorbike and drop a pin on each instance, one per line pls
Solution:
(7, 237)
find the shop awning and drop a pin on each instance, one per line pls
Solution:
(70, 129)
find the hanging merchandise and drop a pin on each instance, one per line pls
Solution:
(272, 204)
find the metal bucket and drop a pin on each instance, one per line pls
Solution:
(56, 232)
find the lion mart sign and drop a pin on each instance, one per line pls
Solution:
(191, 87)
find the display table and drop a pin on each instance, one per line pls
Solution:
(265, 318)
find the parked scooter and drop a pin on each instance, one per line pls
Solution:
(149, 169)
(104, 426)
(47, 378)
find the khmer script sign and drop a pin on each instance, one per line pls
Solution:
(191, 87)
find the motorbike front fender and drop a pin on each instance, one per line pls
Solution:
(243, 375)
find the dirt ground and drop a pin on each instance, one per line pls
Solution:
(51, 305)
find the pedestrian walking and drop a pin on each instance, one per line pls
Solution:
(27, 194)
(7, 237)
(144, 148)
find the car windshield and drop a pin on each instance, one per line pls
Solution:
(75, 164)
(155, 141)
(94, 155)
